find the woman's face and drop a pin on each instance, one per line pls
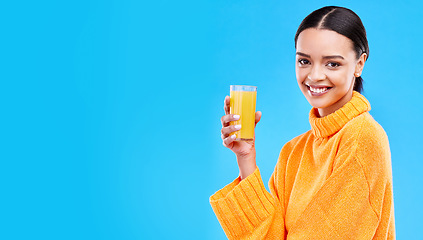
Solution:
(326, 67)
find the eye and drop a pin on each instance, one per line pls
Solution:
(303, 61)
(333, 64)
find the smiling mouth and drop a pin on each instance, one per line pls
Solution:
(317, 90)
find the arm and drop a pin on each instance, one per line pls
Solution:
(244, 208)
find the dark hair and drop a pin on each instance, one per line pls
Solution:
(343, 21)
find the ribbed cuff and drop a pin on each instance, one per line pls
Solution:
(242, 206)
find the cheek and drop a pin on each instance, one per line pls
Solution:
(341, 78)
(301, 74)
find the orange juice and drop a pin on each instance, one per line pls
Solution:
(243, 103)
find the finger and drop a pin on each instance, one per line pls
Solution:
(228, 130)
(258, 117)
(226, 104)
(227, 141)
(229, 118)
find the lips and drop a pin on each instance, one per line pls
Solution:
(317, 90)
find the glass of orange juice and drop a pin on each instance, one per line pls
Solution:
(243, 103)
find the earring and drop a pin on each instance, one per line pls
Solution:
(357, 74)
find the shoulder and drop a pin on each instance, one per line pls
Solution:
(294, 147)
(364, 131)
(290, 149)
(372, 145)
(297, 141)
(370, 136)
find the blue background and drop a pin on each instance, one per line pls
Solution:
(110, 124)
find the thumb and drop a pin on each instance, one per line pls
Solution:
(258, 117)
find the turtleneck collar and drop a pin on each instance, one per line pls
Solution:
(332, 123)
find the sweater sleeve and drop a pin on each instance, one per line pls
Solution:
(246, 210)
(374, 156)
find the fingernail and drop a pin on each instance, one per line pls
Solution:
(237, 127)
(236, 116)
(233, 136)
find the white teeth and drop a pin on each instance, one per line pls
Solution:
(318, 90)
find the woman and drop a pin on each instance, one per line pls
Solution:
(334, 181)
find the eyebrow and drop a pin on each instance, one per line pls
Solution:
(324, 57)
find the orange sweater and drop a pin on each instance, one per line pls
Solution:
(332, 182)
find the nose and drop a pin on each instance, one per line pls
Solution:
(316, 74)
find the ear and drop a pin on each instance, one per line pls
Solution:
(360, 64)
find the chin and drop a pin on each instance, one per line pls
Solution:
(318, 103)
